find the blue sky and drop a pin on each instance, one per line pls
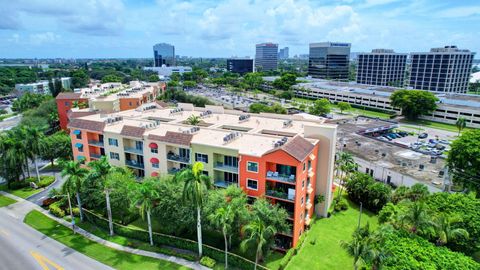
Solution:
(208, 28)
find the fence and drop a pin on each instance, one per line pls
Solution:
(172, 241)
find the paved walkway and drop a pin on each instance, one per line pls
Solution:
(22, 207)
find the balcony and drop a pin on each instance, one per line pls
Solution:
(281, 177)
(309, 189)
(224, 184)
(308, 220)
(225, 168)
(96, 143)
(133, 150)
(95, 156)
(178, 158)
(280, 195)
(308, 205)
(134, 164)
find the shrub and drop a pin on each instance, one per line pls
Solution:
(76, 211)
(55, 210)
(208, 262)
(48, 201)
(286, 259)
(313, 241)
(19, 184)
(45, 181)
(362, 188)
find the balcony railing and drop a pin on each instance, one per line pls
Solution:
(226, 168)
(224, 184)
(96, 143)
(178, 158)
(281, 177)
(95, 156)
(280, 195)
(134, 164)
(133, 150)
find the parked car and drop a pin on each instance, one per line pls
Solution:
(423, 136)
(386, 137)
(403, 133)
(440, 147)
(444, 142)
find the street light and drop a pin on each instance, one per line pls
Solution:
(70, 207)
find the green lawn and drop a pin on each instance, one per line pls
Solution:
(22, 193)
(4, 201)
(114, 258)
(432, 124)
(325, 252)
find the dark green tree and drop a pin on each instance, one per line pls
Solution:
(414, 103)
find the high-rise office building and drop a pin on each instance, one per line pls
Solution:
(329, 60)
(163, 54)
(283, 53)
(240, 65)
(381, 67)
(441, 70)
(266, 56)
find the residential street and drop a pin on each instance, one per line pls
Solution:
(25, 248)
(39, 197)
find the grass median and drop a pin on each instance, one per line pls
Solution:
(109, 256)
(4, 201)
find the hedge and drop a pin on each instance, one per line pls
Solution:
(208, 262)
(172, 241)
(55, 209)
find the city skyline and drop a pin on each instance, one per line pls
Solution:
(114, 28)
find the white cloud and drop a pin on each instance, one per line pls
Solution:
(459, 12)
(42, 38)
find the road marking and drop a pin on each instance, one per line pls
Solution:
(44, 262)
(2, 231)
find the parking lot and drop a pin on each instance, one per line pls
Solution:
(222, 96)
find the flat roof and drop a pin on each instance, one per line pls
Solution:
(257, 133)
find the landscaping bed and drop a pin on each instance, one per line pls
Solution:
(23, 189)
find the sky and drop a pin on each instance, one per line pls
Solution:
(225, 28)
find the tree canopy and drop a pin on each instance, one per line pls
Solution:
(320, 107)
(414, 103)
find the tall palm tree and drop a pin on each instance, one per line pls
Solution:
(144, 196)
(446, 230)
(193, 120)
(75, 175)
(100, 170)
(12, 154)
(195, 186)
(257, 234)
(223, 218)
(417, 218)
(34, 138)
(461, 124)
(345, 165)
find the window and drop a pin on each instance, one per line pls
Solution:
(205, 173)
(309, 165)
(230, 161)
(79, 136)
(201, 157)
(155, 165)
(301, 201)
(114, 155)
(80, 149)
(304, 166)
(252, 166)
(113, 142)
(67, 103)
(303, 184)
(139, 145)
(252, 184)
(154, 150)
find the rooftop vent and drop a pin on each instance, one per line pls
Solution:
(287, 123)
(280, 142)
(113, 119)
(191, 130)
(176, 111)
(232, 136)
(244, 117)
(206, 113)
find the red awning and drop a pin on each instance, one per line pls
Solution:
(154, 173)
(153, 145)
(154, 160)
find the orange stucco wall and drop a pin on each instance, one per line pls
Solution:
(129, 103)
(84, 141)
(63, 107)
(268, 163)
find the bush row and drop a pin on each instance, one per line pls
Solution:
(55, 210)
(172, 241)
(44, 181)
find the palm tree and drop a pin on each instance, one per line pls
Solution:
(193, 120)
(144, 196)
(75, 175)
(100, 170)
(357, 248)
(257, 233)
(461, 124)
(34, 138)
(222, 218)
(446, 232)
(346, 165)
(195, 185)
(12, 157)
(417, 218)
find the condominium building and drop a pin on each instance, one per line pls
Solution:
(266, 56)
(163, 54)
(441, 70)
(381, 67)
(40, 87)
(286, 159)
(329, 60)
(240, 65)
(106, 98)
(283, 53)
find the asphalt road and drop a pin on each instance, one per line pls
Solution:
(42, 195)
(23, 247)
(10, 123)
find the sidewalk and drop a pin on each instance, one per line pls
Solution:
(22, 207)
